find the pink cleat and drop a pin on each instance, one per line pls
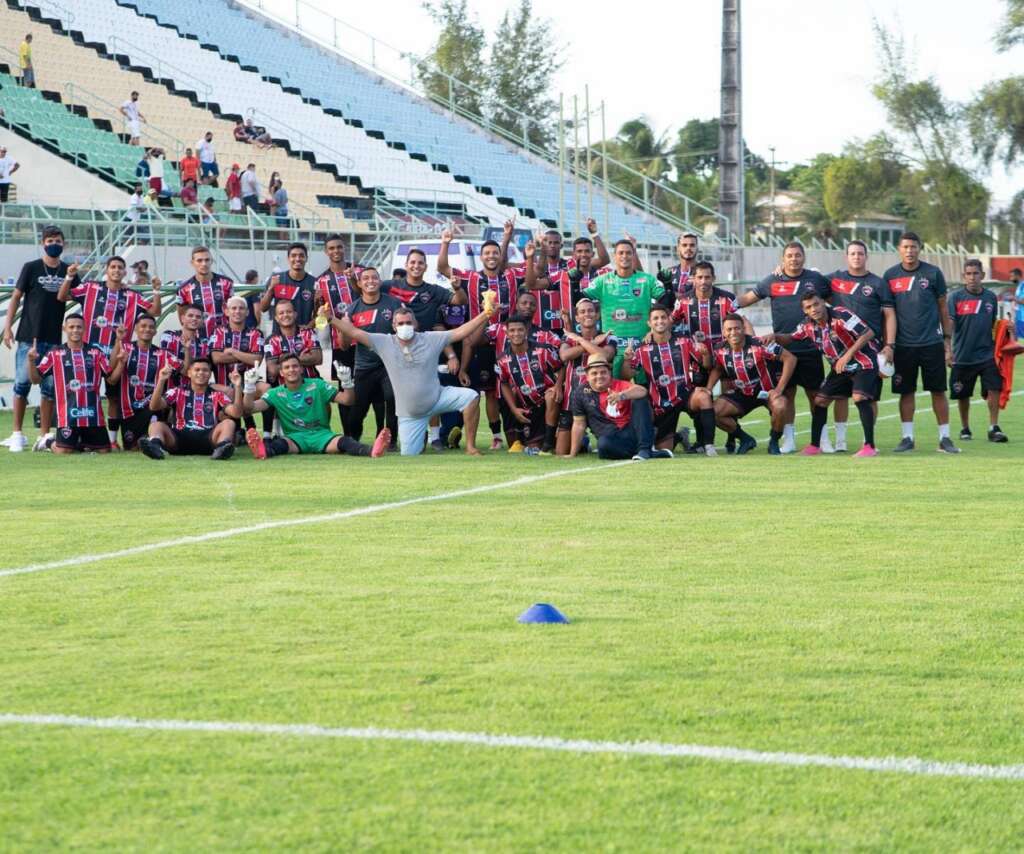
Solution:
(867, 451)
(810, 451)
(380, 446)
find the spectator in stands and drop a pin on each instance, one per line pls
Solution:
(133, 118)
(206, 213)
(250, 187)
(136, 210)
(189, 166)
(152, 199)
(208, 160)
(140, 274)
(233, 188)
(156, 170)
(8, 166)
(258, 136)
(279, 203)
(239, 132)
(28, 71)
(189, 196)
(142, 167)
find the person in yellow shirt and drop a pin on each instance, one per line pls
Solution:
(28, 72)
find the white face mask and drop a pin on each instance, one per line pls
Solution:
(405, 332)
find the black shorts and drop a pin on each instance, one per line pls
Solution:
(930, 360)
(83, 438)
(531, 432)
(135, 426)
(482, 374)
(565, 420)
(809, 373)
(745, 403)
(193, 441)
(867, 383)
(963, 377)
(112, 390)
(665, 424)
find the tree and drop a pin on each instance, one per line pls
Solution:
(1011, 31)
(458, 55)
(997, 121)
(523, 64)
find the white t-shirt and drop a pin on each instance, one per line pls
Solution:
(131, 109)
(136, 205)
(6, 165)
(156, 167)
(206, 152)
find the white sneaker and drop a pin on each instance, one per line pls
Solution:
(840, 446)
(17, 443)
(710, 451)
(43, 443)
(787, 446)
(6, 443)
(826, 443)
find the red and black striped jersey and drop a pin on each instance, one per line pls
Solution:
(210, 296)
(671, 369)
(104, 309)
(572, 281)
(506, 286)
(701, 319)
(139, 376)
(753, 368)
(192, 410)
(173, 348)
(497, 334)
(76, 384)
(576, 370)
(304, 340)
(245, 341)
(337, 294)
(530, 374)
(841, 329)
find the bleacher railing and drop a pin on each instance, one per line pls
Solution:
(301, 142)
(58, 10)
(161, 68)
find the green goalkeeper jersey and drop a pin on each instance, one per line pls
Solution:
(625, 303)
(305, 408)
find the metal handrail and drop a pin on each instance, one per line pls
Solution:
(159, 64)
(63, 12)
(302, 139)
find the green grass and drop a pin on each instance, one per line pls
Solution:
(824, 605)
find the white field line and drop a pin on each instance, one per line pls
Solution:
(888, 764)
(302, 520)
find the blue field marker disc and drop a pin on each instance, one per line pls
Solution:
(542, 613)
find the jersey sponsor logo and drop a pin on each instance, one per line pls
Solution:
(785, 289)
(619, 314)
(365, 318)
(552, 315)
(845, 286)
(50, 283)
(82, 412)
(902, 285)
(969, 306)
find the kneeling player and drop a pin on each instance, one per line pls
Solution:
(303, 408)
(846, 341)
(530, 375)
(202, 419)
(756, 382)
(672, 368)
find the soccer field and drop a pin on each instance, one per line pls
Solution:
(798, 609)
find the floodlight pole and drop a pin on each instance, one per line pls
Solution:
(730, 134)
(561, 161)
(590, 163)
(576, 155)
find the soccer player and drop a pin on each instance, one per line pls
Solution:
(179, 347)
(142, 362)
(530, 376)
(41, 318)
(786, 289)
(295, 285)
(335, 291)
(425, 300)
(371, 311)
(699, 309)
(847, 342)
(574, 353)
(303, 408)
(202, 419)
(410, 358)
(290, 338)
(677, 279)
(77, 368)
(757, 381)
(673, 368)
(924, 334)
(625, 296)
(974, 310)
(617, 412)
(867, 296)
(1017, 281)
(206, 289)
(234, 346)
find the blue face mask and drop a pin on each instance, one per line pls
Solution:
(54, 250)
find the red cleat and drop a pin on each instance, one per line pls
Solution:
(867, 451)
(254, 439)
(380, 445)
(810, 451)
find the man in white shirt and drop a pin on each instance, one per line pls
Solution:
(207, 160)
(8, 166)
(133, 118)
(251, 189)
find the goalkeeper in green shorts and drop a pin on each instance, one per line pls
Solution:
(303, 408)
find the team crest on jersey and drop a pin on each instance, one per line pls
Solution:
(308, 401)
(749, 363)
(74, 385)
(307, 296)
(339, 309)
(525, 389)
(924, 283)
(100, 321)
(663, 380)
(66, 432)
(134, 380)
(535, 366)
(637, 291)
(619, 314)
(868, 290)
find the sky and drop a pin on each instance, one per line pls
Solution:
(808, 64)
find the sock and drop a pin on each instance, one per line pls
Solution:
(268, 422)
(789, 433)
(775, 435)
(735, 434)
(943, 431)
(841, 431)
(353, 448)
(276, 447)
(156, 442)
(706, 425)
(549, 436)
(698, 430)
(819, 417)
(495, 428)
(434, 433)
(908, 429)
(113, 425)
(867, 421)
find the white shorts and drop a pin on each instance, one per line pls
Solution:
(412, 432)
(134, 130)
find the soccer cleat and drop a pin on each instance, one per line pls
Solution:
(773, 448)
(747, 444)
(682, 438)
(454, 437)
(254, 439)
(661, 454)
(730, 445)
(496, 443)
(642, 455)
(946, 446)
(906, 444)
(381, 443)
(223, 451)
(437, 445)
(997, 435)
(811, 451)
(17, 443)
(531, 451)
(115, 448)
(966, 435)
(151, 448)
(840, 446)
(866, 451)
(515, 448)
(710, 451)
(788, 445)
(826, 444)
(6, 443)
(43, 443)
(544, 453)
